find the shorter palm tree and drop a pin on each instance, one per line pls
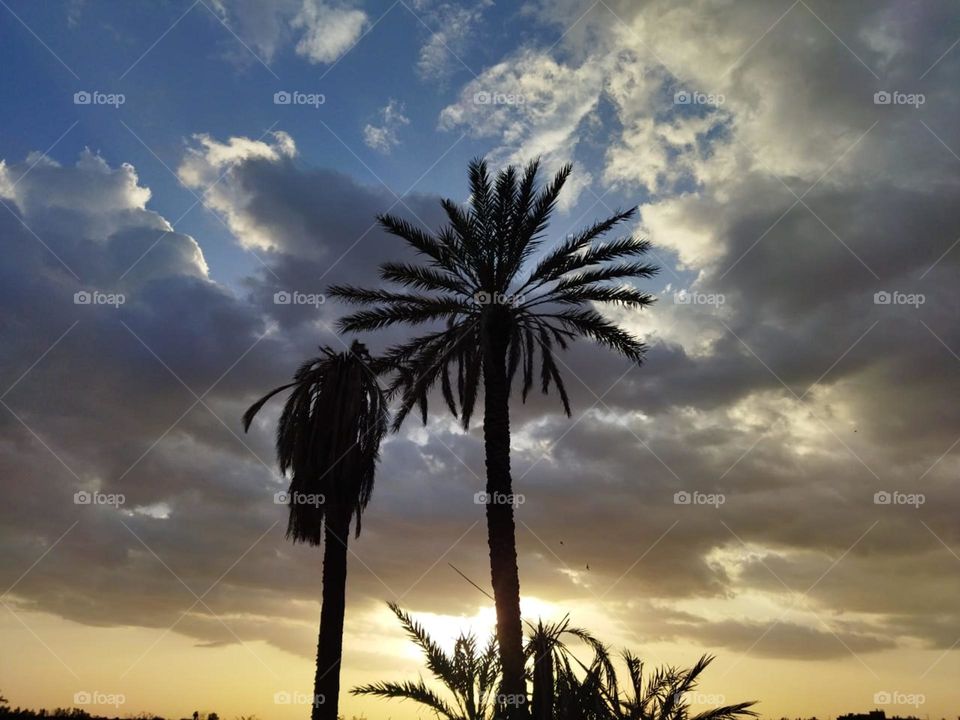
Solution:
(328, 440)
(599, 695)
(564, 687)
(546, 651)
(471, 675)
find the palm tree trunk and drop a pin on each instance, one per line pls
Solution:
(326, 684)
(543, 681)
(501, 532)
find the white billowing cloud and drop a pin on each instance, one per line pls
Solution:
(383, 136)
(328, 30)
(207, 168)
(104, 189)
(96, 203)
(656, 155)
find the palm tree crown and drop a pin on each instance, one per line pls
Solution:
(328, 439)
(478, 277)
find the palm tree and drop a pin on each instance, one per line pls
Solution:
(548, 653)
(499, 309)
(470, 675)
(661, 696)
(328, 438)
(578, 691)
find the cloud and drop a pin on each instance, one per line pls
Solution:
(328, 31)
(319, 31)
(383, 137)
(440, 56)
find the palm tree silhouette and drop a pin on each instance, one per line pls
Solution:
(565, 687)
(328, 438)
(498, 314)
(663, 695)
(548, 653)
(470, 674)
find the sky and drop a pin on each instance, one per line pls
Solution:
(776, 485)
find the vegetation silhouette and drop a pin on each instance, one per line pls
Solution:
(546, 650)
(499, 311)
(563, 687)
(328, 439)
(471, 674)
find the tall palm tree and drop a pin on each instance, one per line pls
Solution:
(328, 439)
(498, 309)
(470, 675)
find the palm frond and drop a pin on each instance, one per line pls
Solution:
(408, 690)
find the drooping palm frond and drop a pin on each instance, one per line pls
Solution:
(480, 265)
(470, 674)
(328, 438)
